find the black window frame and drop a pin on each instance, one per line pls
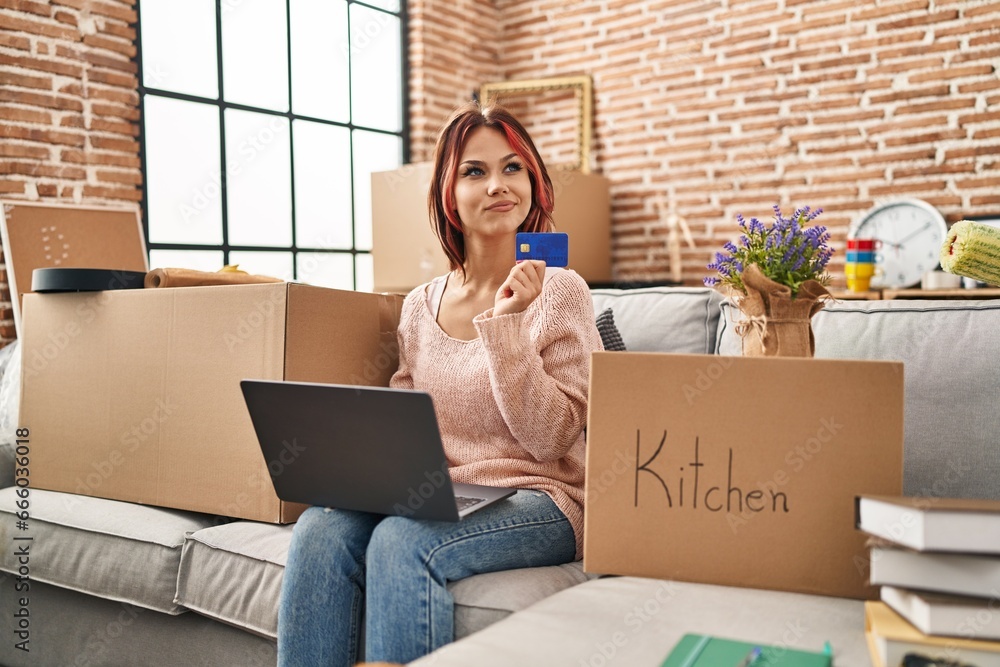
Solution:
(222, 105)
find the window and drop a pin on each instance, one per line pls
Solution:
(262, 121)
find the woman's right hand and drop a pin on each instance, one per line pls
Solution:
(523, 285)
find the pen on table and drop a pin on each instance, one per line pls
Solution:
(751, 657)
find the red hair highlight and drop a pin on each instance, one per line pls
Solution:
(451, 143)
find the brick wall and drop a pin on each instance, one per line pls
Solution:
(454, 48)
(725, 106)
(731, 106)
(68, 107)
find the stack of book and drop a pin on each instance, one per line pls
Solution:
(937, 561)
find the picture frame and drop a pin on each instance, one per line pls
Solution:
(581, 85)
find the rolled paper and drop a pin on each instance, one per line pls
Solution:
(192, 278)
(972, 249)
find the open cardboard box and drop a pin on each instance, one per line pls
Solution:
(134, 394)
(60, 235)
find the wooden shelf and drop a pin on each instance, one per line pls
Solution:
(886, 294)
(848, 295)
(979, 293)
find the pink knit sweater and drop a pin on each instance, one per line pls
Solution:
(511, 404)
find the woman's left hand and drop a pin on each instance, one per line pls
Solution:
(523, 285)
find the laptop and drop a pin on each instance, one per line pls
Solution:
(371, 449)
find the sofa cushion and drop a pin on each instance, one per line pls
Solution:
(115, 550)
(484, 599)
(951, 362)
(636, 621)
(233, 573)
(663, 319)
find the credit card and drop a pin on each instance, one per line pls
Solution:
(551, 247)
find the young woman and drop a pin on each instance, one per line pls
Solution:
(504, 350)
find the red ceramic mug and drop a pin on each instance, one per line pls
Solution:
(864, 245)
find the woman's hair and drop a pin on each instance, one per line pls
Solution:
(448, 152)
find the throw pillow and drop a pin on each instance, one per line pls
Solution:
(610, 335)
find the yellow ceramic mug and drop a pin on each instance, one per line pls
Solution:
(859, 284)
(859, 275)
(859, 270)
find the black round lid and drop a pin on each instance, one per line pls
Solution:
(61, 279)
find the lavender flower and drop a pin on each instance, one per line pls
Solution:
(790, 251)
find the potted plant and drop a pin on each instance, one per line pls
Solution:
(776, 275)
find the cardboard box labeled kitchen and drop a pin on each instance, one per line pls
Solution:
(406, 253)
(134, 394)
(738, 471)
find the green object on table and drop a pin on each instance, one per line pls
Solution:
(708, 651)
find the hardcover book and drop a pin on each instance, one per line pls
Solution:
(933, 524)
(950, 615)
(891, 638)
(977, 575)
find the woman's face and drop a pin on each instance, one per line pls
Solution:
(492, 188)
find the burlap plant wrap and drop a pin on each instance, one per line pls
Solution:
(774, 324)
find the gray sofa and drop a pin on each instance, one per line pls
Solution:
(951, 355)
(120, 584)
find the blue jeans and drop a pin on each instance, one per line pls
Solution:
(396, 570)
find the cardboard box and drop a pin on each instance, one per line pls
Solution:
(406, 253)
(84, 237)
(134, 394)
(739, 471)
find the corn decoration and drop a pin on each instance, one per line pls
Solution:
(972, 249)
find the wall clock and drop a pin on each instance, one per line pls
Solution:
(911, 232)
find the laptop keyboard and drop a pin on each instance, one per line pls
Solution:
(466, 502)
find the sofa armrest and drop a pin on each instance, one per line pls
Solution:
(10, 395)
(6, 465)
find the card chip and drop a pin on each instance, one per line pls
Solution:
(525, 247)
